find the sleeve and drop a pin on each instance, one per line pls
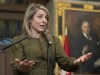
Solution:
(63, 60)
(16, 51)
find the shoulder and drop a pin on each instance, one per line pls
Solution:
(16, 38)
(56, 39)
(19, 38)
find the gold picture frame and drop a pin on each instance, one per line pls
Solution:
(85, 8)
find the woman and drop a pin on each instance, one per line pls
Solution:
(29, 57)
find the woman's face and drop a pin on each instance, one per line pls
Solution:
(39, 21)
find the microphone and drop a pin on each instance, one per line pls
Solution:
(48, 36)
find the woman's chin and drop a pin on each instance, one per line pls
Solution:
(42, 30)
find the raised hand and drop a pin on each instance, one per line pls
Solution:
(83, 58)
(24, 65)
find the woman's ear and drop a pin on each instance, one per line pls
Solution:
(30, 21)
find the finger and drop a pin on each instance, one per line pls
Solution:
(83, 59)
(80, 60)
(89, 54)
(86, 57)
(24, 61)
(17, 61)
(30, 63)
(77, 61)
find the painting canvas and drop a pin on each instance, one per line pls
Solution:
(81, 24)
(83, 28)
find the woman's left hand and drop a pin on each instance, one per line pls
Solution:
(83, 58)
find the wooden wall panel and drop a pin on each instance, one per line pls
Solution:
(3, 63)
(5, 68)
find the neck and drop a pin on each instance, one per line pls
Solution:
(35, 34)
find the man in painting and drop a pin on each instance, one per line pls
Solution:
(88, 42)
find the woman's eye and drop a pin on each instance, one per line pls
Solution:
(40, 17)
(46, 17)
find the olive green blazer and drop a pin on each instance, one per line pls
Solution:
(36, 49)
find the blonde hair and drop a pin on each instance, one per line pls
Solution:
(31, 10)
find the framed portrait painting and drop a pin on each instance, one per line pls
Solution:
(81, 24)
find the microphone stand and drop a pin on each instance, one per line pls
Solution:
(49, 62)
(49, 53)
(22, 38)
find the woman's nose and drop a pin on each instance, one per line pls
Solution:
(45, 20)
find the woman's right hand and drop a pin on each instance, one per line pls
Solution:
(24, 65)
